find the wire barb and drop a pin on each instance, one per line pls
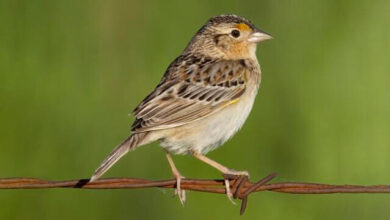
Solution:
(241, 187)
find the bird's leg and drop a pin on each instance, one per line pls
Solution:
(181, 193)
(224, 170)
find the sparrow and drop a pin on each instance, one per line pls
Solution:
(203, 98)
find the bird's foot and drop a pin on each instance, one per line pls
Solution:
(235, 174)
(231, 175)
(181, 193)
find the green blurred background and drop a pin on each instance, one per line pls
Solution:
(71, 72)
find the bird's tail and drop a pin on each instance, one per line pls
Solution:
(127, 145)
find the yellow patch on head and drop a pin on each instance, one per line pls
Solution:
(242, 26)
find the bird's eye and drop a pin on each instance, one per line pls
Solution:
(235, 33)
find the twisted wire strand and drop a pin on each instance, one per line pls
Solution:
(241, 187)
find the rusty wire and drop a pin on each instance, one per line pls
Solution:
(241, 187)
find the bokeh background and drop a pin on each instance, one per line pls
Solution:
(72, 71)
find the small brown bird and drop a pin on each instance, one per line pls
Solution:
(203, 98)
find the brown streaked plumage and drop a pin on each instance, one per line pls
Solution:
(203, 98)
(190, 93)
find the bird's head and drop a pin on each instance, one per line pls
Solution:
(227, 37)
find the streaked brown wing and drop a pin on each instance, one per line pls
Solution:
(189, 92)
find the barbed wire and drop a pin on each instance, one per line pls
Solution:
(241, 187)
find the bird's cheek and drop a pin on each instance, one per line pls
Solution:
(224, 46)
(239, 50)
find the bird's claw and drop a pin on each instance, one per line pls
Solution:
(230, 175)
(181, 193)
(228, 191)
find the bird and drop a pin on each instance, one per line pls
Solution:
(203, 98)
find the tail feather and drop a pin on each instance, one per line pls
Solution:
(129, 144)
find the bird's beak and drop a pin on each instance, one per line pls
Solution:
(259, 36)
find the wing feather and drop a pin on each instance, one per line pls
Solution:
(188, 93)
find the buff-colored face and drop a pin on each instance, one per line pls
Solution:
(227, 37)
(234, 39)
(231, 40)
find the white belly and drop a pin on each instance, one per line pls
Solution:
(211, 132)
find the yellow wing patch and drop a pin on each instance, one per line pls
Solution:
(224, 104)
(242, 26)
(233, 101)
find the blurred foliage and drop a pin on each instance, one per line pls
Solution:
(71, 72)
